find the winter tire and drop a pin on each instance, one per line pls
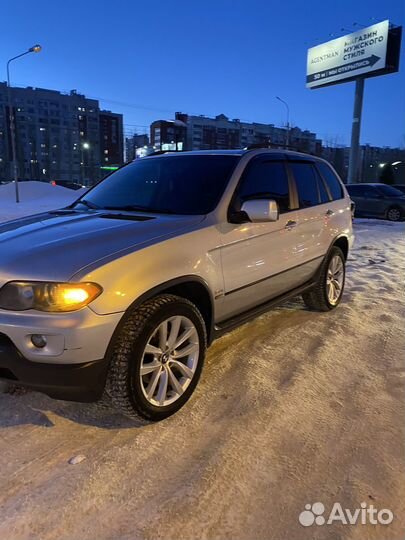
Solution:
(394, 213)
(157, 358)
(327, 293)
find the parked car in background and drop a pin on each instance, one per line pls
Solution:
(377, 200)
(125, 288)
(67, 184)
(401, 187)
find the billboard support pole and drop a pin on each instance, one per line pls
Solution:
(356, 125)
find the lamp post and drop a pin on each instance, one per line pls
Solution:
(33, 49)
(288, 120)
(83, 146)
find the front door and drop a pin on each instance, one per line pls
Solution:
(256, 257)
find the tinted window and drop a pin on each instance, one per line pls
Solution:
(331, 180)
(362, 191)
(168, 184)
(322, 190)
(266, 179)
(371, 192)
(354, 190)
(390, 191)
(307, 184)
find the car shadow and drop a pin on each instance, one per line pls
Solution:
(33, 408)
(24, 407)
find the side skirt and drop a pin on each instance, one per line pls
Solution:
(226, 326)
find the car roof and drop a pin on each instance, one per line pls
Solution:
(372, 184)
(236, 152)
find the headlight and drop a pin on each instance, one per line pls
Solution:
(22, 295)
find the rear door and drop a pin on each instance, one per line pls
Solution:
(314, 214)
(367, 199)
(337, 210)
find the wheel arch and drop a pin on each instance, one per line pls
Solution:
(193, 288)
(341, 242)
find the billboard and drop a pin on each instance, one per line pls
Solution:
(361, 53)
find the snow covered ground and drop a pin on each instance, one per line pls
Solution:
(292, 408)
(35, 197)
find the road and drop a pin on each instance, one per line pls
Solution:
(295, 407)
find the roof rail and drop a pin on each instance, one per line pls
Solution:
(271, 145)
(157, 153)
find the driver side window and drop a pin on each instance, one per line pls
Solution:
(266, 179)
(370, 193)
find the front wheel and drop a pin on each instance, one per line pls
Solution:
(157, 358)
(327, 293)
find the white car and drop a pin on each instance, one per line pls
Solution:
(119, 294)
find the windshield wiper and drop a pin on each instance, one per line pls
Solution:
(89, 204)
(138, 208)
(128, 208)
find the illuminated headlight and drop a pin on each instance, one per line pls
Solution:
(59, 297)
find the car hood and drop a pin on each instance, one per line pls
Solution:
(56, 245)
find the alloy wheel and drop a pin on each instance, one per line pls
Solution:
(394, 214)
(334, 279)
(169, 361)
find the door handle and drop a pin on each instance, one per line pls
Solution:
(290, 224)
(329, 213)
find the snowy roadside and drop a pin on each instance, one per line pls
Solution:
(35, 197)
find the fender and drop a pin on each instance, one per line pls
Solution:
(167, 286)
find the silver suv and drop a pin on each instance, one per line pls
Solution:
(118, 295)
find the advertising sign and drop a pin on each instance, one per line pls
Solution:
(361, 53)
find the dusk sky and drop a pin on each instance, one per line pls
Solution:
(150, 59)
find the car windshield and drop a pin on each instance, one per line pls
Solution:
(390, 191)
(188, 184)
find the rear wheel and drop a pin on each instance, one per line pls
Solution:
(394, 213)
(327, 293)
(157, 358)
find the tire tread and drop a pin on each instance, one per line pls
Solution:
(315, 298)
(117, 389)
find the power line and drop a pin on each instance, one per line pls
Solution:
(151, 108)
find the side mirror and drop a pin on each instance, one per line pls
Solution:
(261, 210)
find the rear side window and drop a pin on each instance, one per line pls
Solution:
(362, 191)
(354, 190)
(331, 180)
(306, 180)
(265, 179)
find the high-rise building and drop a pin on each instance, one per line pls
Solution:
(168, 134)
(58, 136)
(111, 138)
(191, 132)
(134, 144)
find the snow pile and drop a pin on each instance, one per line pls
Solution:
(35, 197)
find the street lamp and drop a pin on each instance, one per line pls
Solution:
(288, 120)
(84, 146)
(33, 49)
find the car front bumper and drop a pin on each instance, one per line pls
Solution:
(73, 363)
(73, 382)
(72, 338)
